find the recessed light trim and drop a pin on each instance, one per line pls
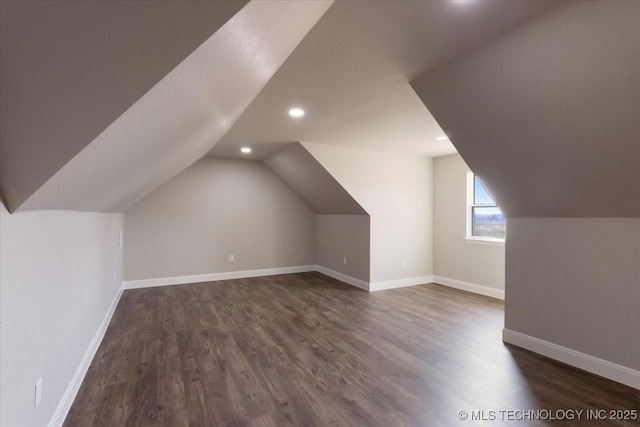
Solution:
(245, 150)
(442, 138)
(296, 112)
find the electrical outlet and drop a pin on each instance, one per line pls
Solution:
(232, 258)
(120, 239)
(344, 260)
(404, 263)
(38, 394)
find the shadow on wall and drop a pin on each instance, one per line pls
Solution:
(301, 172)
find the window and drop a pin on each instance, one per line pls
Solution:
(486, 223)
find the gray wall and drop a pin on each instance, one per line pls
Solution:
(58, 58)
(575, 282)
(340, 236)
(216, 208)
(396, 191)
(453, 258)
(174, 124)
(57, 284)
(297, 168)
(547, 114)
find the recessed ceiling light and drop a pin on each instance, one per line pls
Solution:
(245, 150)
(296, 112)
(442, 138)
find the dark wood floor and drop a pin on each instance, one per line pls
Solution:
(305, 349)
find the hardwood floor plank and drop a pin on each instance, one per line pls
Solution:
(306, 350)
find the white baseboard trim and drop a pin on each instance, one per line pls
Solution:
(343, 277)
(400, 283)
(470, 287)
(199, 278)
(212, 277)
(601, 367)
(58, 417)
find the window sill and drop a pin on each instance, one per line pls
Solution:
(485, 241)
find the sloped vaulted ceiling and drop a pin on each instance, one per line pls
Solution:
(303, 174)
(351, 74)
(178, 120)
(548, 115)
(68, 69)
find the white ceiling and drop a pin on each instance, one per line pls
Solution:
(180, 118)
(303, 174)
(351, 75)
(68, 69)
(349, 68)
(548, 114)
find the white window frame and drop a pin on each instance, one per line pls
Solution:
(476, 240)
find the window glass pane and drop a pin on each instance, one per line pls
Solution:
(480, 194)
(488, 222)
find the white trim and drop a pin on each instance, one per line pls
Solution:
(212, 277)
(604, 368)
(198, 278)
(484, 241)
(58, 417)
(470, 287)
(343, 277)
(400, 283)
(470, 238)
(469, 204)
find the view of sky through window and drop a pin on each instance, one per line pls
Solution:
(487, 218)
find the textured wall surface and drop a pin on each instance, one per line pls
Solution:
(396, 191)
(575, 282)
(351, 74)
(547, 115)
(184, 115)
(453, 258)
(217, 208)
(60, 273)
(297, 168)
(344, 236)
(69, 69)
